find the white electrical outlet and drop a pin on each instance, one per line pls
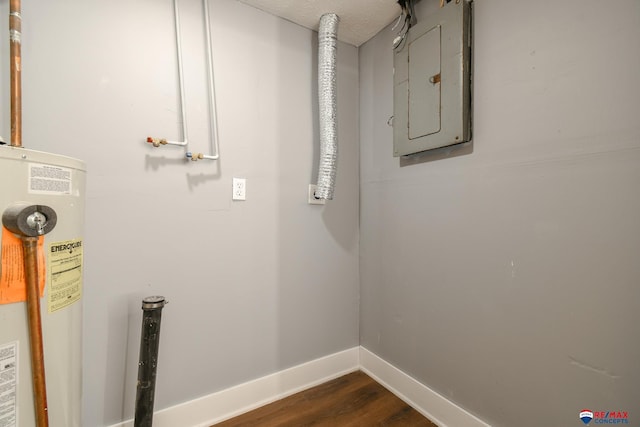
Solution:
(239, 189)
(312, 199)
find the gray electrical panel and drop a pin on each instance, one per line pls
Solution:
(432, 82)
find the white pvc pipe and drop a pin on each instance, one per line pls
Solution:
(213, 116)
(185, 142)
(213, 111)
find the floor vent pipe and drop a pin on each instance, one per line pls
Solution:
(149, 344)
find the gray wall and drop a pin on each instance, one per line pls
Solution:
(504, 274)
(254, 287)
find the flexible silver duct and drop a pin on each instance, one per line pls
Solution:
(327, 48)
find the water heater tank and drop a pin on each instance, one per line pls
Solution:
(58, 182)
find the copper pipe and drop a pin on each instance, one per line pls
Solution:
(30, 246)
(15, 35)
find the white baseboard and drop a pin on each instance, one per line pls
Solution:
(228, 403)
(225, 404)
(432, 405)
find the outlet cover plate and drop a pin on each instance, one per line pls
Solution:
(239, 189)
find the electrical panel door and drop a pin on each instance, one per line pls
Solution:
(432, 82)
(424, 94)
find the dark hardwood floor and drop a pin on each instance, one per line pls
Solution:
(352, 400)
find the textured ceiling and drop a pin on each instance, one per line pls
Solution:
(359, 19)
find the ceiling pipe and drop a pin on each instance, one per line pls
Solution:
(15, 35)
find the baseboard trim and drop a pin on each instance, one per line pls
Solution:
(228, 403)
(432, 405)
(231, 402)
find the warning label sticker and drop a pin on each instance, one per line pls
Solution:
(47, 179)
(65, 274)
(9, 385)
(12, 275)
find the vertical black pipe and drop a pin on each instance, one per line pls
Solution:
(149, 343)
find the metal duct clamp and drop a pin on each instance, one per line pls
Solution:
(154, 302)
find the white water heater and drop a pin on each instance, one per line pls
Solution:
(58, 182)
